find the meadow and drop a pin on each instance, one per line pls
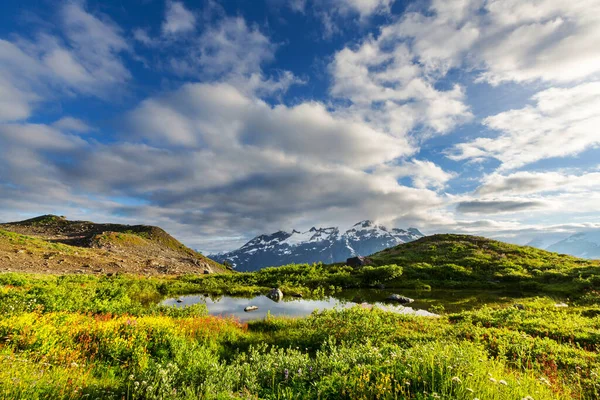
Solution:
(92, 337)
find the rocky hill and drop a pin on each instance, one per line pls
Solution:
(327, 245)
(53, 244)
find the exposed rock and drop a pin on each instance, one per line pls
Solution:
(400, 299)
(179, 301)
(297, 295)
(358, 261)
(275, 294)
(251, 308)
(561, 305)
(519, 306)
(206, 272)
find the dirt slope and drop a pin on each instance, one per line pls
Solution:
(53, 244)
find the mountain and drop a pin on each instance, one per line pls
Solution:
(448, 260)
(53, 244)
(326, 245)
(583, 244)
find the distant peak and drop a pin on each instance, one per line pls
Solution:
(415, 231)
(295, 231)
(367, 223)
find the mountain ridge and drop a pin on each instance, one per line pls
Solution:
(328, 245)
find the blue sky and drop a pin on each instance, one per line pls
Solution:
(220, 120)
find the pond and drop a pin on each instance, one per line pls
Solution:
(425, 302)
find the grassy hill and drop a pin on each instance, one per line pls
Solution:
(53, 244)
(458, 260)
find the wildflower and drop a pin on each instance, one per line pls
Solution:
(527, 398)
(503, 382)
(131, 377)
(74, 364)
(435, 395)
(456, 379)
(493, 380)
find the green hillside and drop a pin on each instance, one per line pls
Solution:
(459, 260)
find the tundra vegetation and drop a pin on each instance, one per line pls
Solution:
(97, 336)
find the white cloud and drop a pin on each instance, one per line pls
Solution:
(551, 40)
(364, 8)
(178, 19)
(230, 50)
(84, 60)
(526, 182)
(508, 40)
(336, 16)
(563, 122)
(70, 124)
(388, 89)
(219, 115)
(424, 174)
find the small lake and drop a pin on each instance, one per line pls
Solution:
(452, 300)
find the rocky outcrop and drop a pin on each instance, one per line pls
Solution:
(358, 261)
(275, 294)
(399, 299)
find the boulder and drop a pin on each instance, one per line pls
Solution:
(561, 305)
(519, 306)
(399, 299)
(358, 261)
(251, 308)
(275, 294)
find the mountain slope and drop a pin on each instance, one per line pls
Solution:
(54, 244)
(326, 245)
(463, 258)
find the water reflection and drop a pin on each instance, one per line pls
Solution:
(291, 307)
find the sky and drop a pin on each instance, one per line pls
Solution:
(221, 120)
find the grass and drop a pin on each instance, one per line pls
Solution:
(33, 245)
(74, 337)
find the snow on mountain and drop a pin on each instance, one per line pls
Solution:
(583, 244)
(315, 245)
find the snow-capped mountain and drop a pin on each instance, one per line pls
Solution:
(583, 244)
(317, 244)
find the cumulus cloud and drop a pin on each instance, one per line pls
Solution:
(387, 88)
(508, 40)
(178, 19)
(84, 59)
(562, 122)
(424, 174)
